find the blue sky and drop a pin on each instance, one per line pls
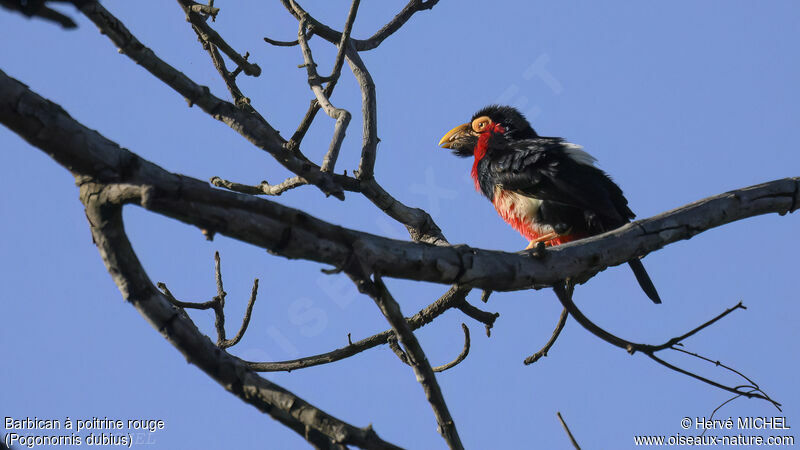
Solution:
(678, 101)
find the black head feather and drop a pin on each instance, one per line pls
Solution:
(517, 127)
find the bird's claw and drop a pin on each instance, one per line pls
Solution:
(537, 250)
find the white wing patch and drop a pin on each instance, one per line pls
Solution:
(578, 154)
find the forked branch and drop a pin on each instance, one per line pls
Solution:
(752, 390)
(218, 305)
(415, 355)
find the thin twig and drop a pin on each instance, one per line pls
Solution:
(264, 188)
(205, 305)
(711, 417)
(461, 356)
(207, 34)
(755, 387)
(401, 354)
(449, 300)
(245, 320)
(419, 362)
(562, 320)
(218, 305)
(341, 116)
(375, 40)
(486, 318)
(676, 340)
(569, 433)
(287, 43)
(564, 293)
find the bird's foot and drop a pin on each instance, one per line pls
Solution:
(538, 248)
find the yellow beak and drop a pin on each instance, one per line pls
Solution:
(453, 135)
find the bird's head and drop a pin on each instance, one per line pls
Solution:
(504, 120)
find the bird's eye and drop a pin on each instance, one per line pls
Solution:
(481, 124)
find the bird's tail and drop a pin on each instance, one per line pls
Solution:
(644, 280)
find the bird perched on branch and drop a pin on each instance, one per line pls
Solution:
(545, 187)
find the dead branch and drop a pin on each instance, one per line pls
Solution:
(564, 294)
(562, 320)
(322, 430)
(569, 433)
(252, 127)
(292, 233)
(375, 40)
(414, 353)
(264, 188)
(341, 116)
(484, 317)
(403, 356)
(461, 357)
(454, 296)
(41, 10)
(218, 305)
(111, 177)
(259, 132)
(209, 35)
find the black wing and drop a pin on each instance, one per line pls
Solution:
(551, 170)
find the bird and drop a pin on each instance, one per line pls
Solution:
(546, 188)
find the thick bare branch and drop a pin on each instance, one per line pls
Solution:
(295, 234)
(321, 429)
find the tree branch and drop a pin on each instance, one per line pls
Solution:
(251, 126)
(104, 212)
(207, 34)
(462, 356)
(418, 361)
(39, 9)
(569, 433)
(375, 40)
(341, 116)
(454, 296)
(218, 305)
(564, 294)
(562, 320)
(259, 132)
(366, 166)
(262, 189)
(294, 234)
